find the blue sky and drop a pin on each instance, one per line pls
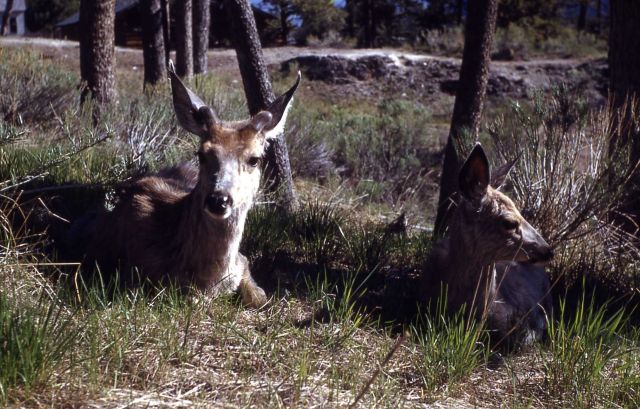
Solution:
(258, 3)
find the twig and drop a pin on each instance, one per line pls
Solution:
(385, 361)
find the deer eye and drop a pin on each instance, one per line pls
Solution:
(253, 161)
(510, 224)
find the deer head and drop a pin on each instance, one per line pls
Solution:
(492, 223)
(230, 152)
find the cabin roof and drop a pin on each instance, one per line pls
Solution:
(121, 5)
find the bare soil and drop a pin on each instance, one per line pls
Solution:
(374, 73)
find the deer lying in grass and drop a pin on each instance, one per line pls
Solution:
(184, 224)
(490, 262)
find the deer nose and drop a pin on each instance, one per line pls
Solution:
(219, 203)
(543, 255)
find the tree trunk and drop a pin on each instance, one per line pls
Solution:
(4, 27)
(369, 24)
(624, 88)
(582, 15)
(350, 20)
(467, 110)
(259, 93)
(184, 39)
(459, 10)
(153, 48)
(97, 56)
(201, 21)
(284, 22)
(599, 16)
(165, 30)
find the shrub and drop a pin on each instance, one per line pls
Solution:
(569, 181)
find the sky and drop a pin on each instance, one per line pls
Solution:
(258, 3)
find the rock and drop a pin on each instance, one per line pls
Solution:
(428, 78)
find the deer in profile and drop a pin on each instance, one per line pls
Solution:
(184, 224)
(492, 260)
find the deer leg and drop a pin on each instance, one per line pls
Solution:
(252, 295)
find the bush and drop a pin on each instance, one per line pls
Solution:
(569, 182)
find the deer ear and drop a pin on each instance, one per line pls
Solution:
(261, 120)
(499, 176)
(279, 110)
(475, 175)
(193, 114)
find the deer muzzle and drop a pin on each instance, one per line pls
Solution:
(219, 204)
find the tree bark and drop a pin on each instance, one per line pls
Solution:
(201, 21)
(259, 94)
(153, 48)
(184, 38)
(165, 30)
(350, 20)
(598, 16)
(459, 11)
(284, 22)
(582, 15)
(97, 52)
(624, 89)
(467, 110)
(5, 17)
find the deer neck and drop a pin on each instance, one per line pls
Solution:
(213, 243)
(471, 274)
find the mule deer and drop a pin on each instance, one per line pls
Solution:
(184, 224)
(490, 262)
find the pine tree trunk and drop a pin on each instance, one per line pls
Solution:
(4, 26)
(459, 11)
(350, 20)
(467, 110)
(97, 52)
(201, 21)
(284, 23)
(582, 15)
(153, 49)
(624, 88)
(598, 16)
(165, 30)
(259, 94)
(184, 38)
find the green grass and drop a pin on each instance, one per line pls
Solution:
(33, 342)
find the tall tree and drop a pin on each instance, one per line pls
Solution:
(369, 23)
(4, 25)
(166, 20)
(284, 9)
(153, 49)
(582, 15)
(467, 109)
(624, 87)
(319, 18)
(201, 22)
(598, 16)
(259, 94)
(184, 38)
(97, 52)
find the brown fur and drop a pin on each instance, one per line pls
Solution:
(171, 226)
(486, 264)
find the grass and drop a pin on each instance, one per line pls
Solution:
(343, 282)
(528, 39)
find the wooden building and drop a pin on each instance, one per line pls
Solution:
(15, 21)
